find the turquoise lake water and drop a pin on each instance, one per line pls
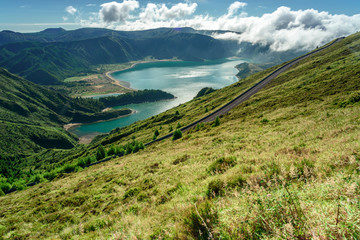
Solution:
(183, 79)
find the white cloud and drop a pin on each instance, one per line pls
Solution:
(91, 5)
(117, 12)
(71, 10)
(282, 30)
(285, 29)
(65, 18)
(235, 6)
(162, 12)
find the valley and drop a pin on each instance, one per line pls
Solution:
(283, 164)
(182, 79)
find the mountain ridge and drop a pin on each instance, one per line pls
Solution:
(48, 63)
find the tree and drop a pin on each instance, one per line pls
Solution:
(177, 134)
(216, 122)
(100, 152)
(156, 133)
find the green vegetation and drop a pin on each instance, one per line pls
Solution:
(156, 134)
(294, 176)
(136, 97)
(58, 57)
(216, 122)
(204, 91)
(31, 126)
(100, 152)
(177, 134)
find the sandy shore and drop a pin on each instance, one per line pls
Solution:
(88, 138)
(126, 85)
(71, 125)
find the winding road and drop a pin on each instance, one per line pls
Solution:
(227, 107)
(248, 93)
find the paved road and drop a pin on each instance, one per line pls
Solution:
(247, 94)
(227, 107)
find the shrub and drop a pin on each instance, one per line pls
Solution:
(36, 178)
(202, 220)
(178, 126)
(171, 129)
(50, 175)
(100, 152)
(133, 147)
(221, 165)
(216, 122)
(177, 134)
(120, 151)
(199, 126)
(215, 188)
(88, 160)
(82, 162)
(156, 133)
(5, 187)
(19, 186)
(1, 193)
(68, 168)
(111, 151)
(264, 120)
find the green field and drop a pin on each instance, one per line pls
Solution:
(283, 165)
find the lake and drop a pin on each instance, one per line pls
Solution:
(182, 79)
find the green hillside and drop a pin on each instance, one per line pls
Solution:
(282, 165)
(33, 139)
(49, 63)
(32, 117)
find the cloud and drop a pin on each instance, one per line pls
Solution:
(117, 12)
(283, 29)
(71, 10)
(162, 12)
(91, 5)
(235, 6)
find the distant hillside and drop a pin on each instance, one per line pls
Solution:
(61, 35)
(282, 165)
(50, 56)
(31, 116)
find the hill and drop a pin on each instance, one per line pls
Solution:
(32, 117)
(50, 56)
(284, 164)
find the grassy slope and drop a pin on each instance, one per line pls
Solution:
(296, 145)
(32, 117)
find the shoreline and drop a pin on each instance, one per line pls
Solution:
(126, 85)
(68, 126)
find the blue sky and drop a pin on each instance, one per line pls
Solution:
(35, 15)
(281, 24)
